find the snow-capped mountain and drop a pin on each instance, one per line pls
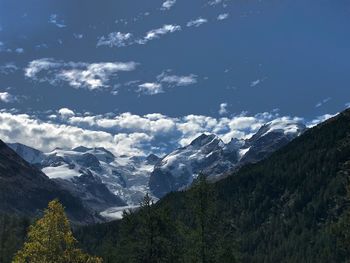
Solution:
(269, 138)
(25, 190)
(209, 155)
(101, 179)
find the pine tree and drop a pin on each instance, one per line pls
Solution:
(50, 240)
(210, 242)
(148, 235)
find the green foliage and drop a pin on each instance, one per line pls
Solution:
(12, 234)
(50, 240)
(292, 207)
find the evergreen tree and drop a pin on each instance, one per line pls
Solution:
(212, 238)
(147, 235)
(50, 240)
(203, 209)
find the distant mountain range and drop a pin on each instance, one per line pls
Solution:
(101, 180)
(209, 155)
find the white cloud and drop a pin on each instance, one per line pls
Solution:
(255, 83)
(222, 16)
(78, 36)
(168, 4)
(320, 119)
(19, 50)
(166, 80)
(66, 113)
(223, 109)
(7, 97)
(347, 105)
(126, 133)
(177, 80)
(150, 88)
(321, 103)
(76, 74)
(215, 2)
(115, 39)
(8, 68)
(156, 33)
(39, 65)
(54, 19)
(197, 22)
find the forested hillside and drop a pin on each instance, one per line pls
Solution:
(291, 207)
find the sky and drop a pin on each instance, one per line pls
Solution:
(142, 76)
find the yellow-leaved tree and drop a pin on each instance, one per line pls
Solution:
(50, 240)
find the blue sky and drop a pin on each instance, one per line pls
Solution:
(146, 62)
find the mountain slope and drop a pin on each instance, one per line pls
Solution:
(25, 190)
(209, 155)
(282, 209)
(99, 178)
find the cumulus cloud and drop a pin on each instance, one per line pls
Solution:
(168, 4)
(66, 113)
(197, 22)
(126, 133)
(222, 16)
(156, 33)
(76, 74)
(54, 19)
(150, 88)
(7, 97)
(115, 39)
(223, 109)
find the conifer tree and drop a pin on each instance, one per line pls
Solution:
(147, 235)
(50, 240)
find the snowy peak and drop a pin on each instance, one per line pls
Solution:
(124, 177)
(207, 154)
(204, 139)
(269, 138)
(282, 126)
(210, 155)
(31, 155)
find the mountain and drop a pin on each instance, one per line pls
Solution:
(26, 191)
(102, 180)
(209, 155)
(95, 175)
(269, 138)
(292, 206)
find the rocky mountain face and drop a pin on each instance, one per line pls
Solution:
(25, 190)
(99, 178)
(209, 155)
